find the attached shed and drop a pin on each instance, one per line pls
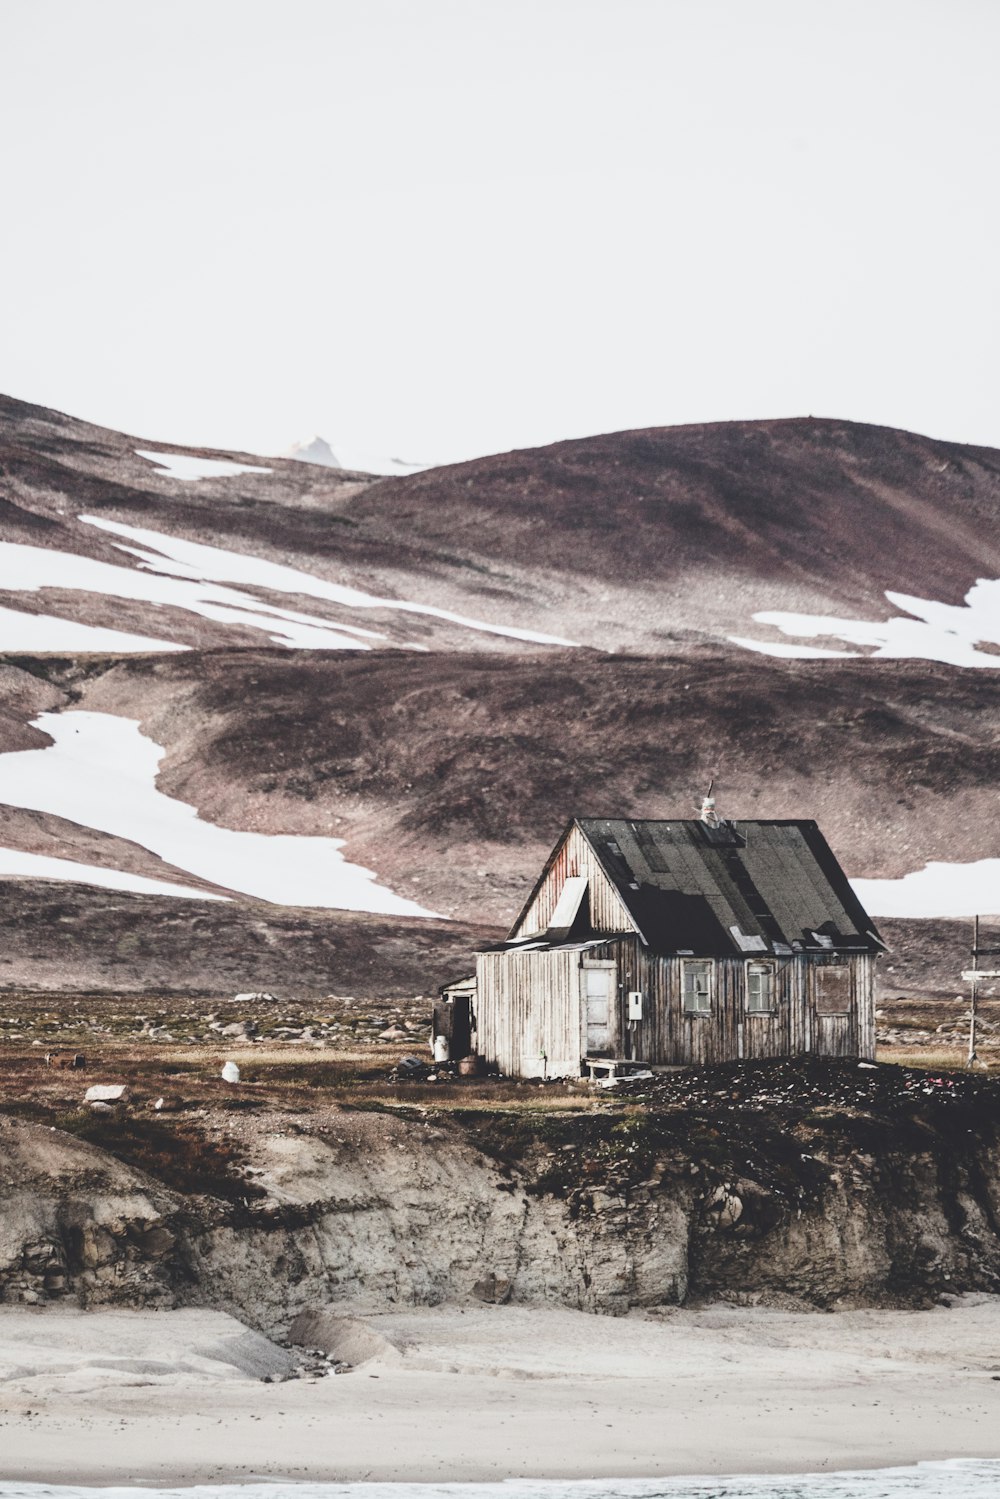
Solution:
(454, 1019)
(689, 941)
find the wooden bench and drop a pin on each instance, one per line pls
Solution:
(612, 1068)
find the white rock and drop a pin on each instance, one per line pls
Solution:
(230, 1073)
(106, 1093)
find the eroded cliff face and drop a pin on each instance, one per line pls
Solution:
(602, 1211)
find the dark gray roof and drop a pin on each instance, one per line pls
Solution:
(738, 888)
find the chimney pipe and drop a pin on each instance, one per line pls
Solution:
(708, 813)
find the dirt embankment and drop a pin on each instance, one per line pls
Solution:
(828, 1185)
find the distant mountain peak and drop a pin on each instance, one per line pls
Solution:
(314, 449)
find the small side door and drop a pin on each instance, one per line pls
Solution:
(598, 992)
(833, 1003)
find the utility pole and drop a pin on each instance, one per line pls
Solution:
(975, 976)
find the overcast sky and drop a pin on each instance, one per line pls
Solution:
(440, 228)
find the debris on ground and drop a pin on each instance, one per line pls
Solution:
(792, 1088)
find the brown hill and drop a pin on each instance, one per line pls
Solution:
(451, 775)
(625, 541)
(448, 758)
(721, 519)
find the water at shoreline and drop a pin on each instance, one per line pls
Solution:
(959, 1478)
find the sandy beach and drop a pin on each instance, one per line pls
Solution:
(481, 1393)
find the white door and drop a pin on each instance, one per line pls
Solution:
(598, 993)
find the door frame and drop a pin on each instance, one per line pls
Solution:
(608, 965)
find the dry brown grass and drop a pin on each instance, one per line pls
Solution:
(274, 1079)
(939, 1059)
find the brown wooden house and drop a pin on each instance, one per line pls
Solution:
(690, 941)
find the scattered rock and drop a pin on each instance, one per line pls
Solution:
(168, 1104)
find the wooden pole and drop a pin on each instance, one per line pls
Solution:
(975, 991)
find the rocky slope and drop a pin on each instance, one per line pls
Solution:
(824, 1185)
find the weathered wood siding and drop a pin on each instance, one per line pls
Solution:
(528, 1013)
(666, 1034)
(608, 912)
(529, 1003)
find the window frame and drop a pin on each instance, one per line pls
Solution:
(707, 965)
(842, 967)
(762, 966)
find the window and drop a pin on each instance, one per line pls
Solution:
(760, 989)
(696, 986)
(832, 988)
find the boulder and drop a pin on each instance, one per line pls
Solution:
(107, 1093)
(726, 1205)
(495, 1290)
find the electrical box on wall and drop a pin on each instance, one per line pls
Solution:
(635, 1004)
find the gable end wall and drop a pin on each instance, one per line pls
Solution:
(608, 912)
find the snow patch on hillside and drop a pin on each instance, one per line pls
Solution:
(100, 772)
(16, 864)
(188, 575)
(47, 632)
(29, 569)
(188, 467)
(954, 891)
(194, 559)
(926, 631)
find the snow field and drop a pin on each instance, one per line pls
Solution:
(16, 864)
(926, 631)
(189, 559)
(188, 466)
(196, 578)
(29, 569)
(47, 632)
(954, 891)
(100, 772)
